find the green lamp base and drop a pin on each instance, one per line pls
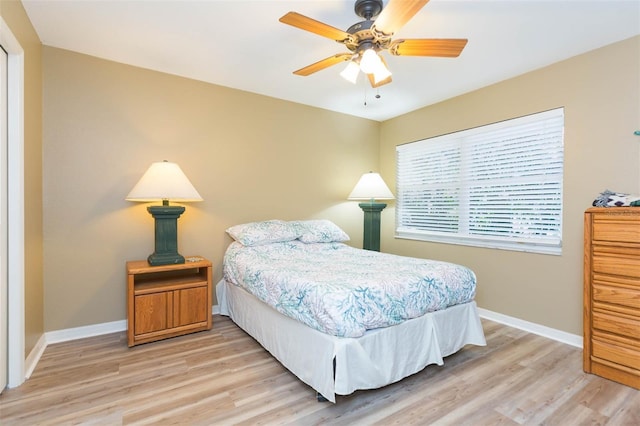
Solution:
(372, 225)
(166, 245)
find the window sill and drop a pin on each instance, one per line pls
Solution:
(528, 247)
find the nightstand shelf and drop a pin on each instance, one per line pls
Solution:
(167, 301)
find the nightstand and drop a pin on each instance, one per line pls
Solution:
(167, 301)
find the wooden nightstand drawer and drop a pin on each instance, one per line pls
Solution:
(190, 306)
(150, 312)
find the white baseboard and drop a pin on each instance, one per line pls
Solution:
(85, 331)
(34, 356)
(541, 330)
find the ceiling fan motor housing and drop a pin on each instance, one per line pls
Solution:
(365, 37)
(368, 8)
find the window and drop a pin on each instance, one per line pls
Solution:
(497, 186)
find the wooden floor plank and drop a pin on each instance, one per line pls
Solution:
(223, 376)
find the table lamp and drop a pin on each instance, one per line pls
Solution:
(371, 187)
(164, 181)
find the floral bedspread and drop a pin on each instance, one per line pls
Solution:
(344, 291)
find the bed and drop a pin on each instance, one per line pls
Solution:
(339, 318)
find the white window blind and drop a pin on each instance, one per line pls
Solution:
(497, 186)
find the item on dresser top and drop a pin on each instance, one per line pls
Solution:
(616, 199)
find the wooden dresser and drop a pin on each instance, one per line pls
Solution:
(612, 293)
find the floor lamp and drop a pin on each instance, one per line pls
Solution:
(371, 187)
(164, 181)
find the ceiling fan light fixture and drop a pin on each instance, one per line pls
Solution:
(382, 73)
(350, 73)
(370, 61)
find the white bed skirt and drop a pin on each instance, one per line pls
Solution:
(378, 358)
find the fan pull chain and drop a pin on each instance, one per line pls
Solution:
(377, 96)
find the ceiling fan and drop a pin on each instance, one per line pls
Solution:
(366, 39)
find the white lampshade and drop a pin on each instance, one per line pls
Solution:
(350, 73)
(371, 187)
(381, 73)
(370, 61)
(164, 181)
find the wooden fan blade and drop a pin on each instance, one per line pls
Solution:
(305, 23)
(397, 13)
(444, 47)
(325, 63)
(380, 83)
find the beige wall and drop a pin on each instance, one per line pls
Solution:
(251, 158)
(600, 92)
(15, 17)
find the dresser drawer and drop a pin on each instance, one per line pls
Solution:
(616, 324)
(616, 353)
(608, 292)
(613, 227)
(606, 261)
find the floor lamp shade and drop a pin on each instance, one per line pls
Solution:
(164, 181)
(371, 187)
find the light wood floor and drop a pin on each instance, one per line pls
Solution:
(224, 377)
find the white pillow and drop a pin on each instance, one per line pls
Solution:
(266, 232)
(320, 231)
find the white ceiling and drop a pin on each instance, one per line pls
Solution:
(241, 44)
